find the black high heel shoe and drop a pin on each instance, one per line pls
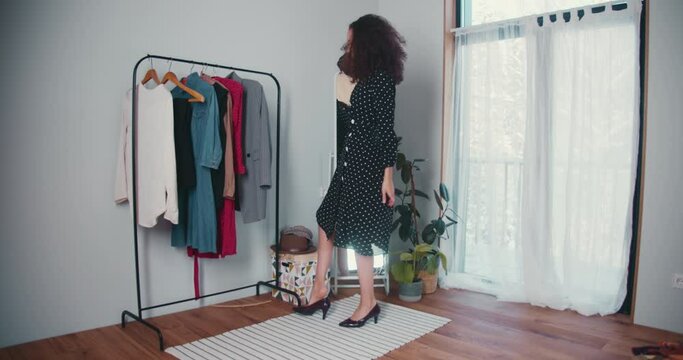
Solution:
(374, 313)
(310, 309)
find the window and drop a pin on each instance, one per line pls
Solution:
(477, 12)
(543, 150)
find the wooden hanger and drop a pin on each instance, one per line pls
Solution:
(196, 96)
(151, 74)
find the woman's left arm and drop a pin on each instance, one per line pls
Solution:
(384, 104)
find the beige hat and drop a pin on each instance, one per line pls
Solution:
(296, 240)
(298, 230)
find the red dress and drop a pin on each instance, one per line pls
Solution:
(236, 90)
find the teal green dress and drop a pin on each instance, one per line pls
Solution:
(199, 230)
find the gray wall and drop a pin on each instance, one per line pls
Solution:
(66, 262)
(661, 245)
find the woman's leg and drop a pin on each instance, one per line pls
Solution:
(367, 289)
(325, 247)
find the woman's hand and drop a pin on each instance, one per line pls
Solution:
(388, 187)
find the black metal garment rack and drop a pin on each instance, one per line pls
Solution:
(268, 283)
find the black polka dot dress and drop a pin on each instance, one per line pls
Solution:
(352, 210)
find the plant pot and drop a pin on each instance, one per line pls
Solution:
(429, 281)
(410, 292)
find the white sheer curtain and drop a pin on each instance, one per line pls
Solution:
(543, 158)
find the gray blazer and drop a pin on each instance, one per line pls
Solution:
(252, 187)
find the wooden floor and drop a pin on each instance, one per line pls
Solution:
(482, 328)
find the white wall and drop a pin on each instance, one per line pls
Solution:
(66, 262)
(418, 97)
(661, 245)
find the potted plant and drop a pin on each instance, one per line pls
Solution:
(411, 264)
(421, 261)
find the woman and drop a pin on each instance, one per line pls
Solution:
(357, 210)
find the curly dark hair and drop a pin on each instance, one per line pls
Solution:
(375, 45)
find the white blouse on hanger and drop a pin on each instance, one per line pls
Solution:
(156, 168)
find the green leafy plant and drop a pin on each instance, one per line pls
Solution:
(406, 223)
(436, 229)
(424, 253)
(407, 220)
(423, 257)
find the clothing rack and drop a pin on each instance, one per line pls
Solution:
(268, 283)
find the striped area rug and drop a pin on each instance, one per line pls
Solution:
(297, 336)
